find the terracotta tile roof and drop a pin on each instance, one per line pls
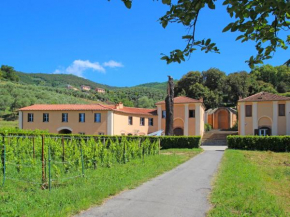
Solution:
(181, 99)
(264, 96)
(66, 107)
(83, 107)
(141, 111)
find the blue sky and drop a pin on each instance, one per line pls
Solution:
(107, 43)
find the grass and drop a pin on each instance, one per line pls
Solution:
(252, 183)
(6, 124)
(20, 199)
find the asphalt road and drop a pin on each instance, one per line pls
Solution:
(181, 192)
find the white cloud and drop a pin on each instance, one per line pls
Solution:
(78, 67)
(112, 64)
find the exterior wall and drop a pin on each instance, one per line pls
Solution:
(55, 122)
(179, 119)
(266, 114)
(209, 119)
(121, 125)
(191, 121)
(234, 119)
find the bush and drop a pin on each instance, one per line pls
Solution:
(179, 142)
(207, 127)
(260, 143)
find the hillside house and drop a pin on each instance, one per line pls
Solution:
(85, 88)
(100, 90)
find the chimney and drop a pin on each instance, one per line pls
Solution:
(240, 97)
(119, 105)
(201, 99)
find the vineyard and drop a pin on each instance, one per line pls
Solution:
(50, 161)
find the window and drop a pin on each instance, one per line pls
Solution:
(64, 117)
(142, 121)
(163, 114)
(82, 117)
(101, 133)
(281, 109)
(130, 120)
(150, 121)
(82, 133)
(262, 132)
(192, 113)
(45, 117)
(248, 110)
(97, 117)
(30, 117)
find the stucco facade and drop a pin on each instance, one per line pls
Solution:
(264, 114)
(221, 118)
(113, 119)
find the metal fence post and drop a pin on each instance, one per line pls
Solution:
(49, 169)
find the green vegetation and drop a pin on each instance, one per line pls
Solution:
(57, 80)
(73, 195)
(260, 143)
(8, 124)
(168, 142)
(219, 89)
(252, 184)
(207, 127)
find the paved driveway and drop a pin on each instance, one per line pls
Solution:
(181, 192)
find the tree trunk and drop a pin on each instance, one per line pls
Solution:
(169, 107)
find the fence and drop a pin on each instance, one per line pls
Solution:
(49, 161)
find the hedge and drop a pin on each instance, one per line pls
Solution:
(260, 143)
(166, 142)
(180, 142)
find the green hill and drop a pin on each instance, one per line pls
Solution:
(156, 85)
(57, 80)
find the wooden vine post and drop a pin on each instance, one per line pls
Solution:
(43, 160)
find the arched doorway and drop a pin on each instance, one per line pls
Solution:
(178, 131)
(223, 119)
(65, 131)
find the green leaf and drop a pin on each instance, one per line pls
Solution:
(228, 27)
(166, 2)
(128, 3)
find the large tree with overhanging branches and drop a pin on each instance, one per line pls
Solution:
(256, 20)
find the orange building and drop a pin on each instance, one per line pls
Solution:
(221, 118)
(264, 114)
(113, 119)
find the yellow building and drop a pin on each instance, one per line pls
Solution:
(264, 114)
(117, 119)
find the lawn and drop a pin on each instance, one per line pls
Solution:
(20, 199)
(252, 183)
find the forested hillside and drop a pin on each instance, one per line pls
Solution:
(218, 89)
(57, 80)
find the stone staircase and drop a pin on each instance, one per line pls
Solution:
(216, 137)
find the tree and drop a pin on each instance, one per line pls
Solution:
(258, 21)
(145, 102)
(213, 79)
(9, 73)
(237, 84)
(187, 80)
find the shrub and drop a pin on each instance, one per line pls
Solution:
(179, 142)
(260, 143)
(207, 127)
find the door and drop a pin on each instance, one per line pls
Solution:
(178, 131)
